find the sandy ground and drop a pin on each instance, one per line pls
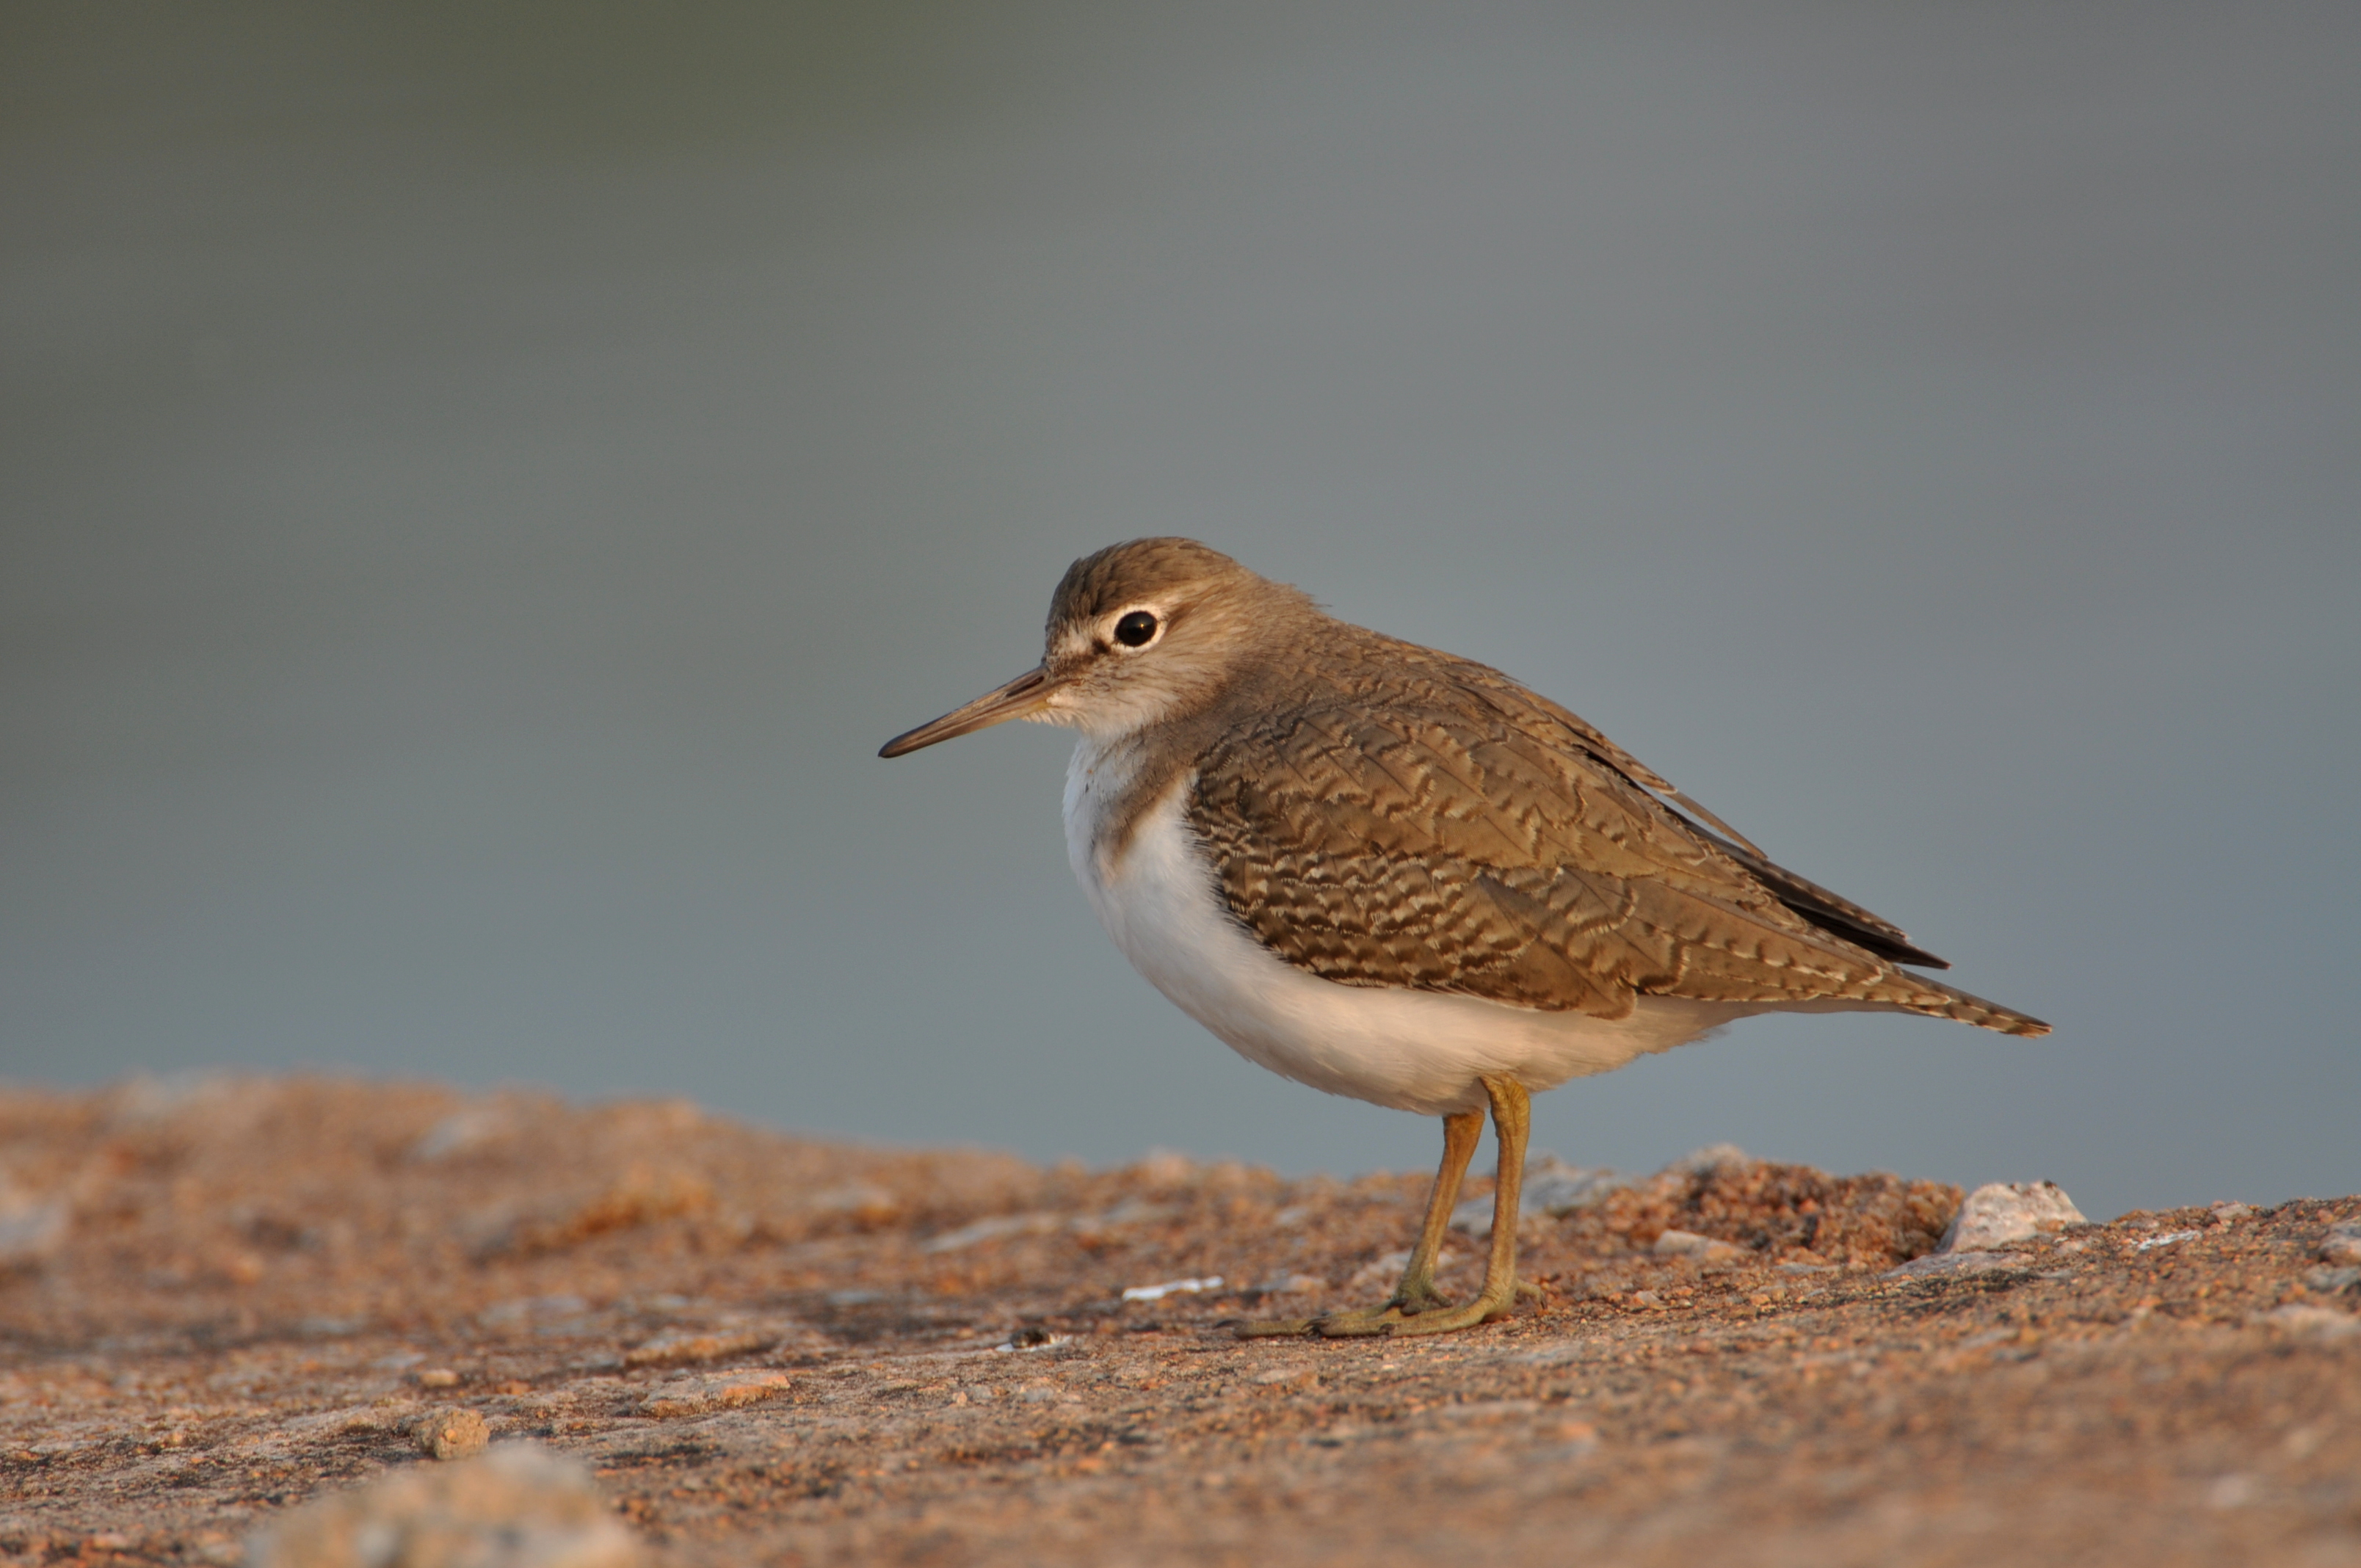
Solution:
(223, 1299)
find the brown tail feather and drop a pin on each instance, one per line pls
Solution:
(1937, 1000)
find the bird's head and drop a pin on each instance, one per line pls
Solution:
(1139, 633)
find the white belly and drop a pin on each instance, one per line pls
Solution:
(1412, 1050)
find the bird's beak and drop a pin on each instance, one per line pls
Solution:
(1026, 695)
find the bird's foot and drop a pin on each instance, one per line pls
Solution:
(1409, 1302)
(1482, 1310)
(1432, 1314)
(1355, 1320)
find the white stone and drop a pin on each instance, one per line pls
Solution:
(2342, 1243)
(2170, 1238)
(1171, 1287)
(2004, 1211)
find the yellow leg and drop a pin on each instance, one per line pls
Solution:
(1512, 1120)
(1416, 1293)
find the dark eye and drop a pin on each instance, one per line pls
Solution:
(1135, 629)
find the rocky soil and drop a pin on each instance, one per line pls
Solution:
(688, 1340)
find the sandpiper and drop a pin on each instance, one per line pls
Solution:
(1398, 876)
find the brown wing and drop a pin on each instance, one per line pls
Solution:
(1442, 835)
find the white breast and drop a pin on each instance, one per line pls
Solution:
(1412, 1050)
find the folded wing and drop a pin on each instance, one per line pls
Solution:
(1457, 833)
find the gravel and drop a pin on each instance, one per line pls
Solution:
(261, 1288)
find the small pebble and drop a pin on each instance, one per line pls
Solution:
(2170, 1238)
(437, 1377)
(717, 1391)
(2342, 1243)
(1696, 1248)
(520, 1504)
(1171, 1287)
(455, 1433)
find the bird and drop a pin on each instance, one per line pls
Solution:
(1398, 876)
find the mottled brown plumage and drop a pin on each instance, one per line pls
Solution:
(1399, 817)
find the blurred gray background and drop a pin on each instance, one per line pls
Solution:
(480, 481)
